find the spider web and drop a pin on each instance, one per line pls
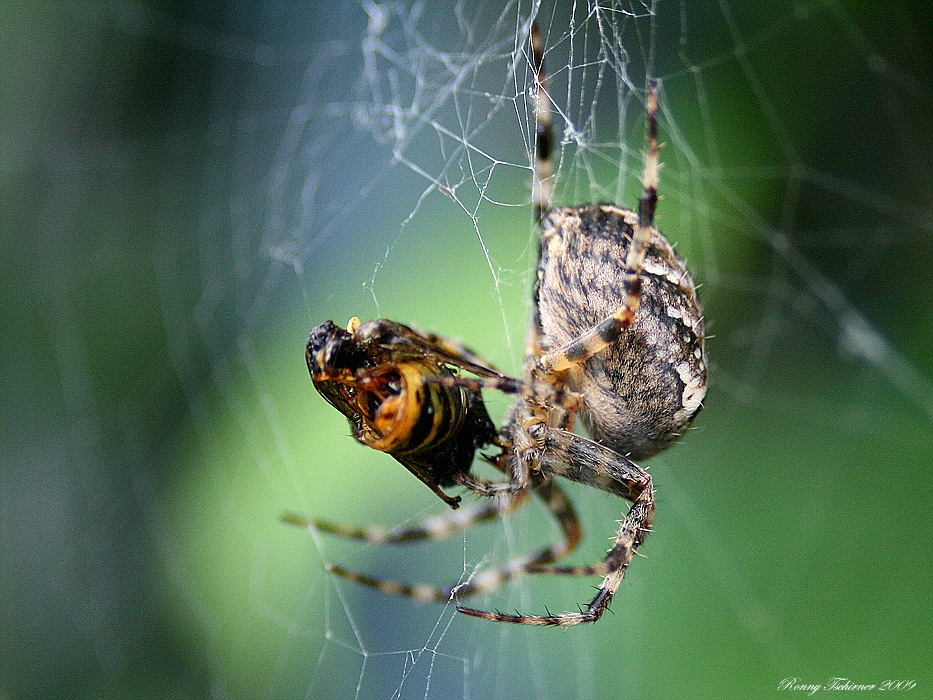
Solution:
(257, 171)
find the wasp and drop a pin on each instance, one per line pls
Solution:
(398, 388)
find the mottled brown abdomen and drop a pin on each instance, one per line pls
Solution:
(641, 392)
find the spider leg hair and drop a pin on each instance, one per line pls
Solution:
(428, 529)
(603, 334)
(549, 492)
(582, 460)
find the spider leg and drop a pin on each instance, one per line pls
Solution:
(428, 529)
(432, 528)
(549, 492)
(544, 138)
(492, 489)
(538, 392)
(587, 462)
(607, 331)
(564, 515)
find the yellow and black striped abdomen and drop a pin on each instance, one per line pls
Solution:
(408, 415)
(381, 376)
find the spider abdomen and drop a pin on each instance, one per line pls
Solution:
(644, 389)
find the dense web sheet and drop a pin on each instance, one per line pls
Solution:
(376, 161)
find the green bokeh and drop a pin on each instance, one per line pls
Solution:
(159, 419)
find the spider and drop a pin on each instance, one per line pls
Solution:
(616, 338)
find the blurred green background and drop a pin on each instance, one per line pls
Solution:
(187, 188)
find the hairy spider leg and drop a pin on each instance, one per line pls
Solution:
(603, 334)
(530, 391)
(584, 461)
(542, 184)
(539, 393)
(563, 512)
(437, 528)
(549, 492)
